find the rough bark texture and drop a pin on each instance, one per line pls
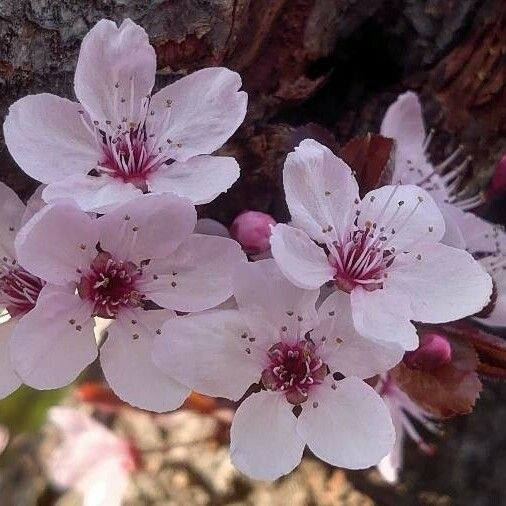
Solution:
(338, 63)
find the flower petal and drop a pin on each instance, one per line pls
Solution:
(208, 353)
(320, 190)
(206, 109)
(54, 342)
(47, 138)
(384, 315)
(92, 194)
(9, 380)
(404, 123)
(263, 441)
(269, 302)
(208, 226)
(34, 204)
(350, 426)
(148, 226)
(497, 318)
(201, 179)
(11, 213)
(302, 261)
(442, 283)
(344, 349)
(57, 241)
(408, 210)
(114, 64)
(126, 359)
(197, 276)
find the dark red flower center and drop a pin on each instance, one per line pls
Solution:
(19, 290)
(294, 369)
(110, 285)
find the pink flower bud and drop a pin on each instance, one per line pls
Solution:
(498, 182)
(251, 229)
(434, 351)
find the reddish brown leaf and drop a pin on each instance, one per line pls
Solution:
(371, 158)
(447, 391)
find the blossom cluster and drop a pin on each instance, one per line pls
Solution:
(109, 260)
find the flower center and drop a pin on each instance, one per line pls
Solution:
(293, 370)
(19, 290)
(361, 261)
(110, 285)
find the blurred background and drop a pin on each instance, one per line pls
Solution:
(326, 66)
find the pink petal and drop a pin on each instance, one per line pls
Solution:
(384, 315)
(404, 123)
(299, 258)
(390, 465)
(442, 283)
(115, 63)
(34, 205)
(252, 230)
(408, 210)
(57, 241)
(263, 441)
(9, 380)
(11, 213)
(201, 179)
(208, 226)
(344, 349)
(203, 267)
(47, 138)
(126, 359)
(269, 302)
(454, 234)
(320, 190)
(47, 350)
(350, 426)
(206, 110)
(92, 194)
(148, 226)
(208, 353)
(498, 316)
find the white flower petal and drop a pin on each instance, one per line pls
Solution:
(350, 426)
(299, 258)
(11, 213)
(9, 380)
(263, 441)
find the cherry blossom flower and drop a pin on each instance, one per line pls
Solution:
(403, 411)
(310, 366)
(252, 230)
(90, 458)
(140, 256)
(404, 123)
(383, 250)
(120, 140)
(19, 290)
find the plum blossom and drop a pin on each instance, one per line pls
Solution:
(309, 365)
(120, 140)
(19, 290)
(403, 410)
(383, 250)
(90, 458)
(124, 266)
(404, 123)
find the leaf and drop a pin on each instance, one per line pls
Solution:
(450, 390)
(25, 410)
(371, 158)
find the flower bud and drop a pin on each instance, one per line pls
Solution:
(498, 182)
(251, 229)
(434, 351)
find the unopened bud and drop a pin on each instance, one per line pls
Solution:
(498, 182)
(251, 229)
(434, 351)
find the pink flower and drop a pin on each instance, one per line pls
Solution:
(19, 290)
(434, 351)
(404, 123)
(383, 250)
(403, 410)
(121, 140)
(123, 266)
(276, 337)
(252, 230)
(90, 459)
(498, 182)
